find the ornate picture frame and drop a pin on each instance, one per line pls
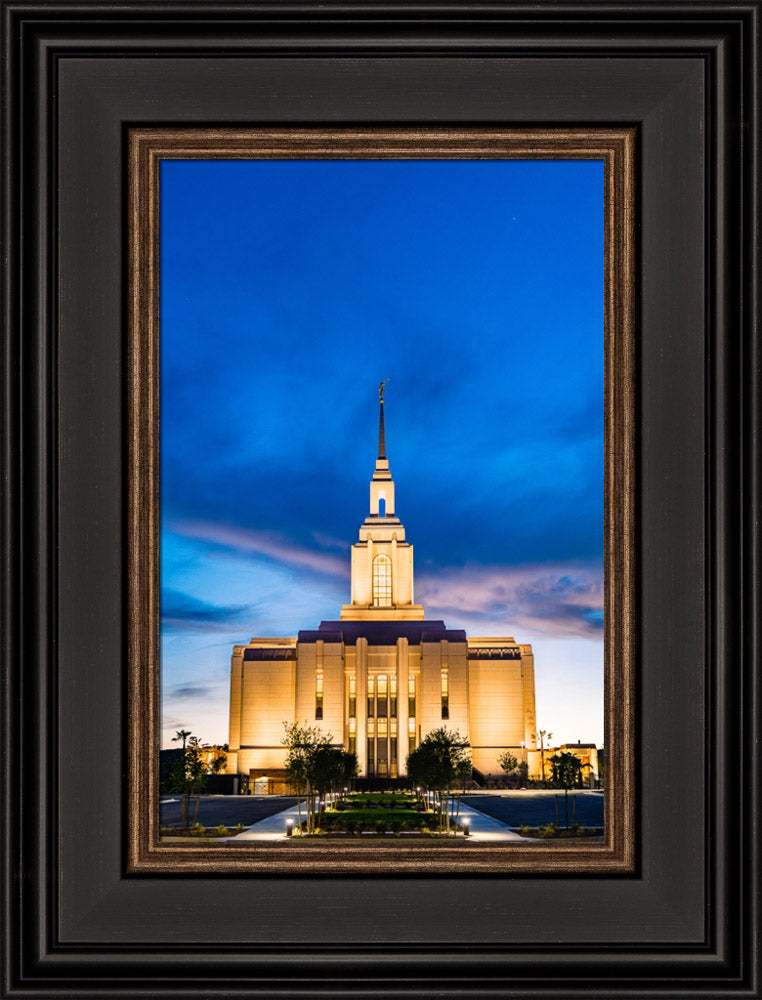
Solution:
(683, 920)
(147, 149)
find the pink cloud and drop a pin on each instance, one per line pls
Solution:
(548, 599)
(264, 543)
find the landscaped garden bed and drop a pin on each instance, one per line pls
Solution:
(553, 832)
(197, 830)
(379, 813)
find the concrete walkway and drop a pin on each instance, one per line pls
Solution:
(486, 828)
(272, 828)
(482, 827)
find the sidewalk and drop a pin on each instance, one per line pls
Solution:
(482, 828)
(486, 828)
(271, 828)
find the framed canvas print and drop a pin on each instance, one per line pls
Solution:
(345, 715)
(97, 102)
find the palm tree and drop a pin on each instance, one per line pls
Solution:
(542, 735)
(183, 734)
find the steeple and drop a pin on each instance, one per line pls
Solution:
(381, 438)
(382, 561)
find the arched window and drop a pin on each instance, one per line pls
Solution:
(382, 582)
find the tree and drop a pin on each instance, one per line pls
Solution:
(523, 773)
(542, 735)
(182, 734)
(350, 768)
(564, 770)
(314, 765)
(463, 770)
(440, 758)
(219, 760)
(187, 775)
(507, 761)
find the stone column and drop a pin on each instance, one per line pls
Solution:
(395, 597)
(402, 679)
(361, 660)
(370, 571)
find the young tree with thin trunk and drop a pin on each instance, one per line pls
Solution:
(565, 768)
(440, 758)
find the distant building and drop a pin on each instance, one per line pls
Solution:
(382, 676)
(586, 754)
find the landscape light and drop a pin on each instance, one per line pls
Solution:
(466, 826)
(289, 827)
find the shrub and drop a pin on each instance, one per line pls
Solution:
(220, 831)
(350, 825)
(380, 826)
(396, 825)
(239, 828)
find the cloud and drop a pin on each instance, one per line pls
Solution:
(191, 691)
(554, 600)
(183, 612)
(263, 543)
(329, 542)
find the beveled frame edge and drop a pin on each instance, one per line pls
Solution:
(146, 147)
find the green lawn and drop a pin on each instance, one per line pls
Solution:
(378, 820)
(378, 812)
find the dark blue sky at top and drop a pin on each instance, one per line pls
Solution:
(290, 289)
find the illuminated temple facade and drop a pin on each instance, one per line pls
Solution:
(382, 676)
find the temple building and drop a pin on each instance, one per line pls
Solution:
(382, 676)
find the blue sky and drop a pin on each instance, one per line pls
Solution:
(288, 291)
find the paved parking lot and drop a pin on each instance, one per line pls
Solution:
(533, 808)
(225, 809)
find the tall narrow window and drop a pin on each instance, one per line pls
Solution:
(353, 735)
(371, 697)
(381, 691)
(352, 695)
(393, 695)
(319, 694)
(445, 695)
(411, 696)
(410, 734)
(382, 582)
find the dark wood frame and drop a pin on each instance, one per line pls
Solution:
(77, 76)
(147, 147)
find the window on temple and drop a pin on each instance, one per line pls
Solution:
(445, 695)
(319, 694)
(352, 695)
(382, 582)
(381, 692)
